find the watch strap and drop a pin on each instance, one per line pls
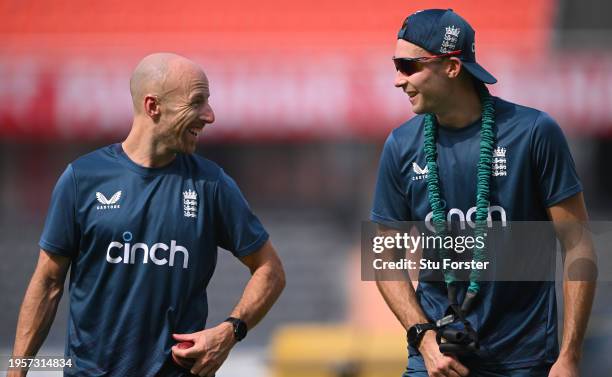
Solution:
(240, 327)
(418, 331)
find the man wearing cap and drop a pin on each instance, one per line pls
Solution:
(469, 152)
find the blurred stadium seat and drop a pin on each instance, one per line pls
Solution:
(312, 350)
(278, 70)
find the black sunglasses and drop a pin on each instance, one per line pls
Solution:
(409, 66)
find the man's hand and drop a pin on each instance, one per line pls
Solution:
(210, 349)
(564, 367)
(438, 364)
(212, 346)
(16, 373)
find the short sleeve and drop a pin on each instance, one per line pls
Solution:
(554, 166)
(390, 203)
(239, 230)
(60, 234)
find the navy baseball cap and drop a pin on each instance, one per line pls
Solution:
(441, 31)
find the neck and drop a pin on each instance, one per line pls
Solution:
(144, 149)
(462, 109)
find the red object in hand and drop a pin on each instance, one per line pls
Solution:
(180, 361)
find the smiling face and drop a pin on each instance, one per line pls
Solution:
(184, 108)
(428, 88)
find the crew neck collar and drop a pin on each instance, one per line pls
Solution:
(125, 159)
(471, 126)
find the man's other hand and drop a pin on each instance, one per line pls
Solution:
(210, 348)
(564, 367)
(438, 364)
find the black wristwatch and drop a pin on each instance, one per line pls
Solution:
(415, 333)
(240, 328)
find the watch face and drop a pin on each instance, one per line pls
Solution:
(413, 332)
(416, 332)
(240, 330)
(240, 327)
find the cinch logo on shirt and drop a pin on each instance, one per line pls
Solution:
(468, 217)
(156, 253)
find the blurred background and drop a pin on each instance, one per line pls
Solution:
(304, 98)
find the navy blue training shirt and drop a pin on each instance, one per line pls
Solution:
(532, 170)
(143, 244)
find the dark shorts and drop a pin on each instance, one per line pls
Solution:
(416, 368)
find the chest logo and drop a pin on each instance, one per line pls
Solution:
(419, 173)
(108, 203)
(499, 162)
(469, 217)
(450, 39)
(190, 203)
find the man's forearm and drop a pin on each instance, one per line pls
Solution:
(578, 286)
(36, 315)
(578, 299)
(402, 301)
(396, 287)
(570, 220)
(262, 290)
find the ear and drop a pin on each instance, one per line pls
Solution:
(152, 106)
(453, 67)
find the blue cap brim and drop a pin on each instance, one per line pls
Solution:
(480, 73)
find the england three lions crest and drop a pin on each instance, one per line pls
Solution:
(499, 165)
(451, 36)
(190, 203)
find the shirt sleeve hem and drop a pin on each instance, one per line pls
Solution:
(563, 195)
(54, 249)
(374, 217)
(253, 247)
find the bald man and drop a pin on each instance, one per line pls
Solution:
(139, 224)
